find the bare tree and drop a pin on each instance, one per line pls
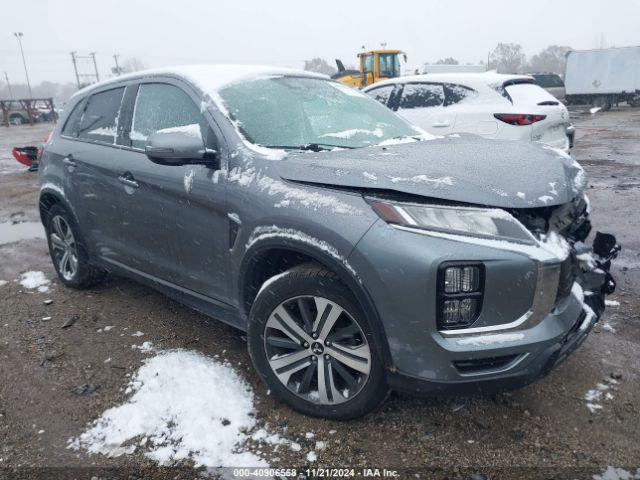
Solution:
(319, 65)
(447, 61)
(132, 64)
(507, 58)
(59, 91)
(551, 59)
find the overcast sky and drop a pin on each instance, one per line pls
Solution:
(286, 32)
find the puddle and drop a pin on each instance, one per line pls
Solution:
(14, 232)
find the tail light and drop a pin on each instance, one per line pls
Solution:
(519, 118)
(41, 148)
(23, 155)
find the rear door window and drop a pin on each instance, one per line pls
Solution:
(381, 94)
(100, 118)
(159, 106)
(421, 95)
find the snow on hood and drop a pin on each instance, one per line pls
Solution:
(467, 169)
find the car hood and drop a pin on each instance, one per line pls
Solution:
(458, 168)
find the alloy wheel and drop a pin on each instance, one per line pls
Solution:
(317, 350)
(64, 247)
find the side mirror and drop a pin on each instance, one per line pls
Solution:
(178, 146)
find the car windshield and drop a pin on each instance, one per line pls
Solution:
(298, 112)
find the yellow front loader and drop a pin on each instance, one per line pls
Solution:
(375, 65)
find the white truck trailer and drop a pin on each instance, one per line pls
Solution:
(603, 77)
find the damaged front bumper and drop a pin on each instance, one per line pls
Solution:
(594, 277)
(574, 292)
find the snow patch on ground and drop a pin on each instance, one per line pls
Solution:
(33, 280)
(613, 473)
(612, 303)
(183, 406)
(3, 283)
(595, 396)
(146, 347)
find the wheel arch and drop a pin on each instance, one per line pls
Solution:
(269, 252)
(50, 197)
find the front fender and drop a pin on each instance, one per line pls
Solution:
(264, 239)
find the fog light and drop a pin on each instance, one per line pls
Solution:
(460, 292)
(457, 312)
(461, 279)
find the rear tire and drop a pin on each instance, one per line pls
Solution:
(331, 344)
(16, 119)
(68, 251)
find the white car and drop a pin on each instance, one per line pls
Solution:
(508, 107)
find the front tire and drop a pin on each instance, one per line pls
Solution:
(68, 252)
(312, 345)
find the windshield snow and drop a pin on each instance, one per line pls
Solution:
(298, 112)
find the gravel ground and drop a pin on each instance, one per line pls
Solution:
(54, 379)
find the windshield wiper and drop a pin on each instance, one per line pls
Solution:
(313, 147)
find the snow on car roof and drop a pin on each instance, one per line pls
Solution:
(209, 78)
(465, 78)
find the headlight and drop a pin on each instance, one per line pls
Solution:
(492, 223)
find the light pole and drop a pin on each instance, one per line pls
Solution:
(8, 85)
(18, 35)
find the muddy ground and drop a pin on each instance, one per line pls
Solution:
(54, 380)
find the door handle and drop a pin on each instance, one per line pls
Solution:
(441, 124)
(68, 161)
(128, 180)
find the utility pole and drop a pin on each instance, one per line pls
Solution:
(115, 58)
(75, 68)
(95, 65)
(18, 35)
(8, 85)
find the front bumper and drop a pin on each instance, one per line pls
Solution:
(536, 368)
(543, 326)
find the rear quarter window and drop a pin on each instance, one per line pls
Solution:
(458, 94)
(100, 118)
(70, 128)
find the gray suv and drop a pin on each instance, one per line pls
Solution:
(359, 253)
